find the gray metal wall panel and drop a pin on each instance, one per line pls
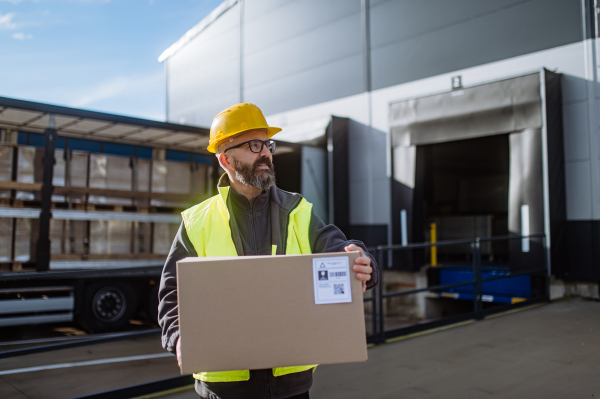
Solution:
(329, 43)
(288, 20)
(204, 76)
(578, 181)
(397, 20)
(576, 136)
(200, 111)
(574, 88)
(429, 43)
(302, 52)
(257, 8)
(299, 53)
(369, 185)
(381, 198)
(323, 83)
(359, 203)
(314, 179)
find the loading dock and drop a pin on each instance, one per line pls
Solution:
(481, 161)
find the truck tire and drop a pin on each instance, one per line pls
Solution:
(152, 304)
(107, 306)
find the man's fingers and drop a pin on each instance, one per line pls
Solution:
(354, 247)
(362, 269)
(178, 351)
(362, 265)
(363, 260)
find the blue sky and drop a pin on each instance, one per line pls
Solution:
(94, 54)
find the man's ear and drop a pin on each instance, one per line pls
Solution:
(224, 161)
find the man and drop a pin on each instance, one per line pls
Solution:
(250, 216)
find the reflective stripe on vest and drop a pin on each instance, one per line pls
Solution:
(207, 227)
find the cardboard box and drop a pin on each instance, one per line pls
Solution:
(257, 312)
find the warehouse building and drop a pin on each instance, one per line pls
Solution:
(478, 116)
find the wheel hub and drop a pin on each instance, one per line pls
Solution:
(109, 304)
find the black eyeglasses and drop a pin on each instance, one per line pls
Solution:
(256, 146)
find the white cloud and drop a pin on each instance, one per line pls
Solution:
(22, 36)
(6, 21)
(119, 87)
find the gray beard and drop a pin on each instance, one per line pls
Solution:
(249, 175)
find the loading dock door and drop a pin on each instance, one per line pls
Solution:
(518, 108)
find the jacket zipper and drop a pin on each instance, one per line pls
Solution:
(267, 376)
(285, 234)
(253, 228)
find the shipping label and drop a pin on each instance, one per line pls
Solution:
(331, 277)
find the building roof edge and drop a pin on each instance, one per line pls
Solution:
(197, 29)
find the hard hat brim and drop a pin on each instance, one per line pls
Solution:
(271, 131)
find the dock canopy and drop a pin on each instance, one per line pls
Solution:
(20, 115)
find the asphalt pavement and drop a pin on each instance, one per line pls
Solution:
(549, 351)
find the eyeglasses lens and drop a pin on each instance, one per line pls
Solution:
(256, 146)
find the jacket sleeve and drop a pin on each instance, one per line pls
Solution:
(329, 238)
(168, 316)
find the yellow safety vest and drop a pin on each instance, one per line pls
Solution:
(207, 226)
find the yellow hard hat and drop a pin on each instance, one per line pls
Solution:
(237, 119)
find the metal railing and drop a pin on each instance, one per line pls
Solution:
(379, 296)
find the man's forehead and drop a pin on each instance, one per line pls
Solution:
(250, 135)
(242, 137)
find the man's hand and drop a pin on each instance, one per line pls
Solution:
(362, 266)
(178, 351)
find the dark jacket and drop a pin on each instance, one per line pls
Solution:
(255, 227)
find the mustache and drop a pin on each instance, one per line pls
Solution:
(263, 161)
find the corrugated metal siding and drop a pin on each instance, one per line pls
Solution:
(299, 53)
(412, 40)
(303, 52)
(204, 76)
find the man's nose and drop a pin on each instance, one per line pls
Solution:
(265, 151)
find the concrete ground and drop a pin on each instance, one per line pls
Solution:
(551, 351)
(79, 380)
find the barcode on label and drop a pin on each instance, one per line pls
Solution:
(337, 274)
(338, 289)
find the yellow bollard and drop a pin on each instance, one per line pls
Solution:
(433, 235)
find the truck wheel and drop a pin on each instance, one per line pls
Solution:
(107, 306)
(152, 304)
